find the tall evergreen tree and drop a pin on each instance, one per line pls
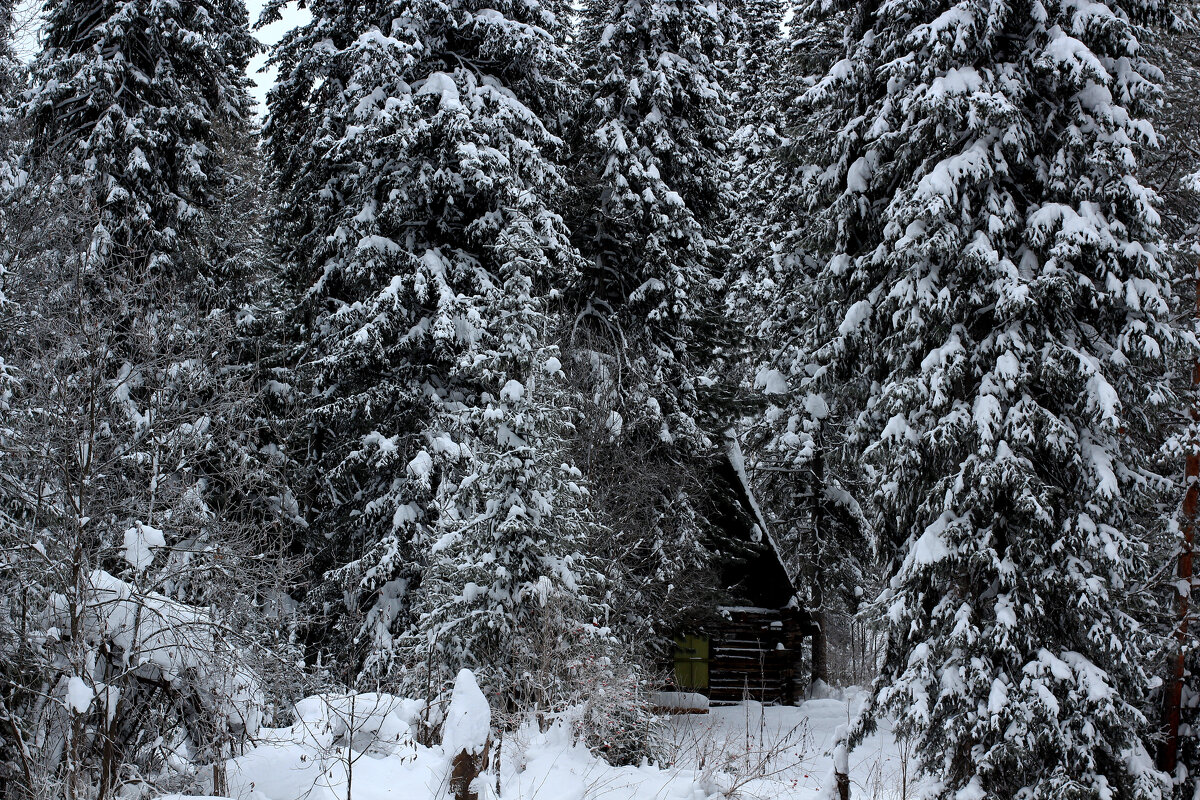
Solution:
(9, 70)
(793, 442)
(1174, 170)
(8, 58)
(994, 292)
(135, 114)
(650, 219)
(127, 95)
(767, 82)
(511, 591)
(414, 181)
(138, 115)
(653, 131)
(763, 86)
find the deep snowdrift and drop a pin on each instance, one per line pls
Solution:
(362, 746)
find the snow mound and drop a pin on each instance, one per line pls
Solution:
(360, 721)
(140, 543)
(469, 718)
(679, 701)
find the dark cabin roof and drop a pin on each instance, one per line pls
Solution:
(758, 577)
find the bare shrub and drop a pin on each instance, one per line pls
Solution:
(730, 761)
(143, 574)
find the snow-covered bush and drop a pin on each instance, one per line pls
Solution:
(109, 682)
(613, 717)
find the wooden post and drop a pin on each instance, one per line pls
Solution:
(464, 769)
(1168, 756)
(841, 765)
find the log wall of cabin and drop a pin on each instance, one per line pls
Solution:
(754, 654)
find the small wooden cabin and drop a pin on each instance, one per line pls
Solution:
(750, 644)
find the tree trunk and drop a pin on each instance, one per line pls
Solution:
(841, 766)
(820, 649)
(1168, 754)
(820, 637)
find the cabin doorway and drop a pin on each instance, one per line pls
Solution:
(691, 663)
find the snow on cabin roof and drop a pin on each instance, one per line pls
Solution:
(748, 610)
(733, 450)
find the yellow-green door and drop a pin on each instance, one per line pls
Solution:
(691, 663)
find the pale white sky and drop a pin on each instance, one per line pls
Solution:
(269, 35)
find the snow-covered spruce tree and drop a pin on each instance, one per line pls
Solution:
(134, 113)
(508, 587)
(777, 138)
(994, 288)
(9, 70)
(1174, 170)
(766, 83)
(364, 478)
(414, 184)
(762, 88)
(8, 60)
(127, 95)
(653, 186)
(649, 216)
(138, 113)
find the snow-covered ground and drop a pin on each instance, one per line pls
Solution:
(745, 751)
(785, 751)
